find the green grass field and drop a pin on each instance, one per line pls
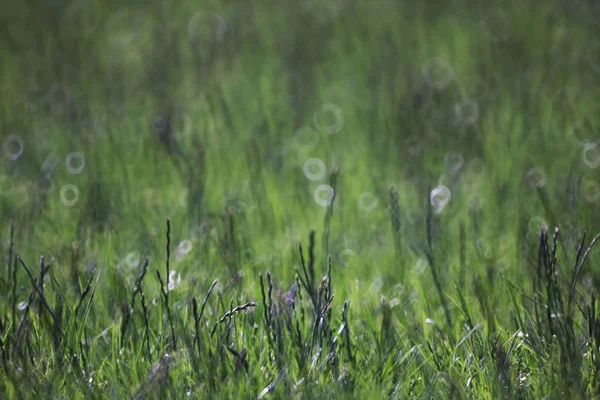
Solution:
(309, 199)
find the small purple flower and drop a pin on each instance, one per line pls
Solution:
(289, 296)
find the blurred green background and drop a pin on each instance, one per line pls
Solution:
(229, 117)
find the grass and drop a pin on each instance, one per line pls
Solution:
(343, 199)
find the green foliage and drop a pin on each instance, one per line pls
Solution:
(421, 153)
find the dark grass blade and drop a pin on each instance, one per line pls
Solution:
(14, 295)
(165, 290)
(128, 309)
(433, 266)
(11, 248)
(234, 310)
(579, 265)
(396, 226)
(41, 294)
(333, 177)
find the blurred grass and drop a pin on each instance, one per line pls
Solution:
(244, 86)
(95, 82)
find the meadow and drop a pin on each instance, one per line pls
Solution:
(309, 199)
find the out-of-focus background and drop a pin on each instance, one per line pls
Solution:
(241, 121)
